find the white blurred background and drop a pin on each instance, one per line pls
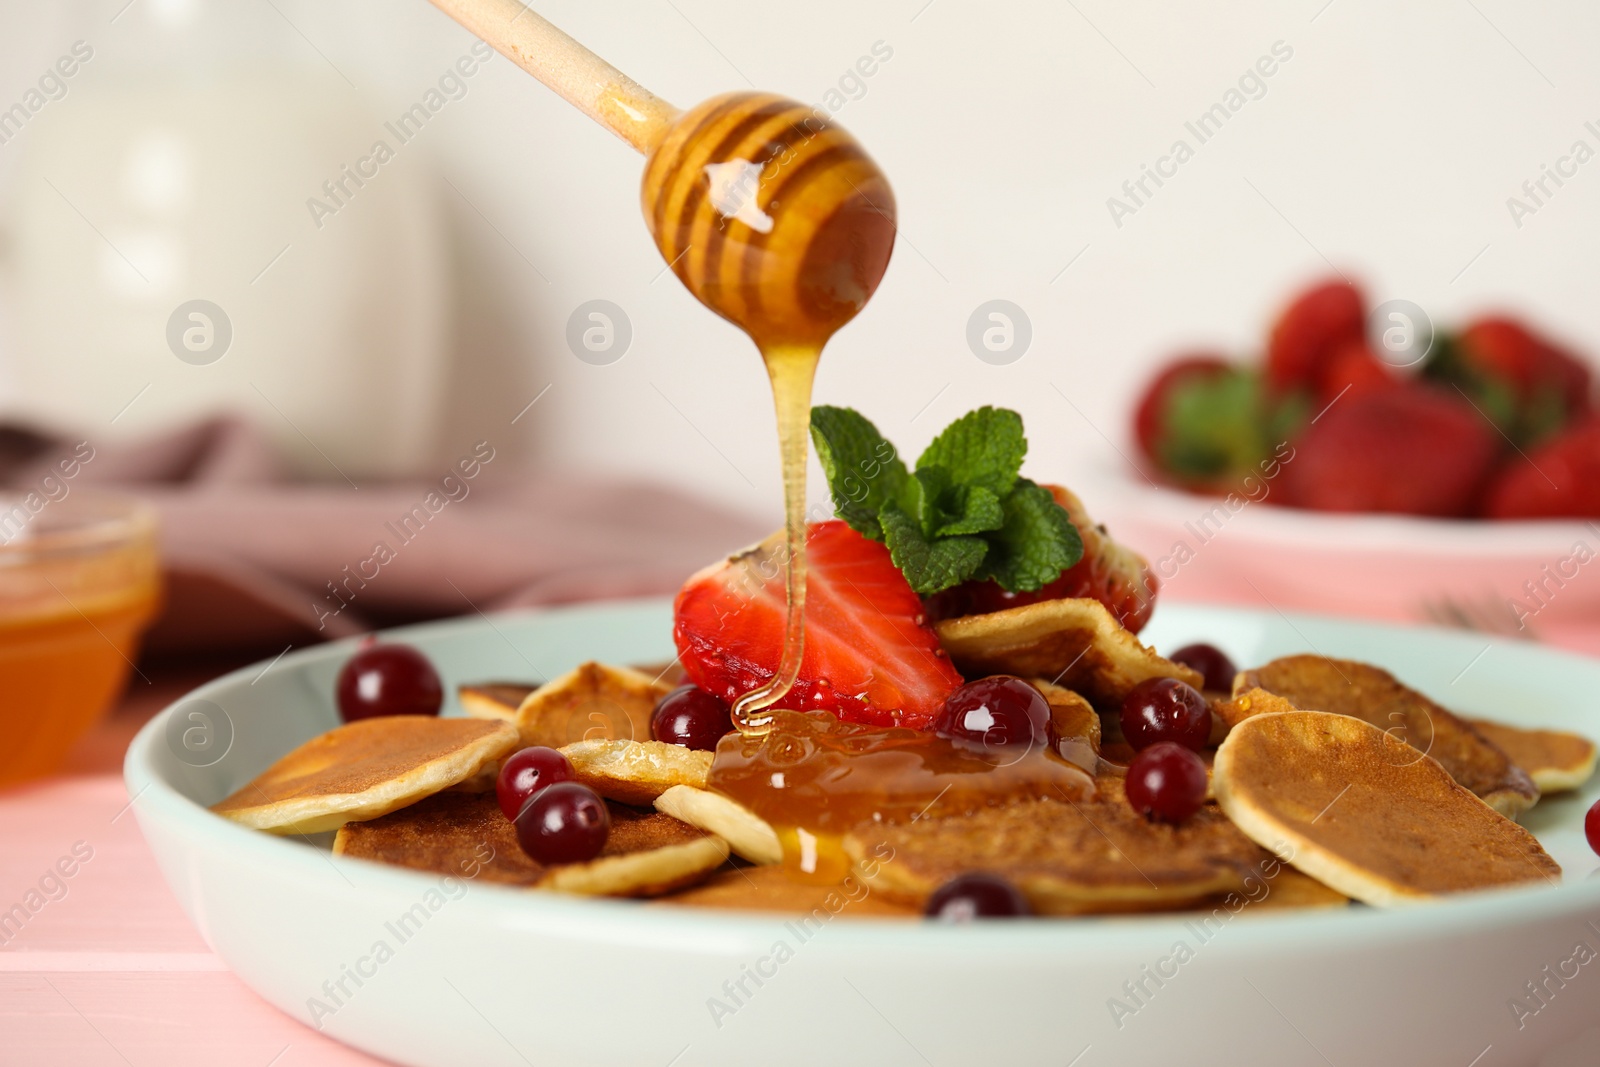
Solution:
(433, 307)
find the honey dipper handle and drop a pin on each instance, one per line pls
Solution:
(586, 81)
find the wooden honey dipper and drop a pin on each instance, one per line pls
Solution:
(769, 213)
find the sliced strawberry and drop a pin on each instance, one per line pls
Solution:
(870, 656)
(1410, 448)
(1109, 572)
(1560, 480)
(1531, 387)
(1320, 321)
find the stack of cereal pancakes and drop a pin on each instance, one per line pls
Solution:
(1330, 782)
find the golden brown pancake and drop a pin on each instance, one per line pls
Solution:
(365, 769)
(1556, 761)
(493, 700)
(1325, 791)
(637, 772)
(1075, 643)
(1074, 724)
(1275, 886)
(592, 702)
(449, 833)
(1252, 701)
(1296, 889)
(468, 836)
(1344, 687)
(773, 889)
(651, 873)
(747, 833)
(1096, 856)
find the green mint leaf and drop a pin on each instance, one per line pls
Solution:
(964, 513)
(1034, 545)
(983, 447)
(862, 468)
(922, 497)
(928, 565)
(979, 512)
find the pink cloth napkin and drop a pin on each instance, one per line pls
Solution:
(256, 561)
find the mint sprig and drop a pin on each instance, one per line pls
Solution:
(965, 512)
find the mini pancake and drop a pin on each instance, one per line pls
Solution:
(640, 874)
(365, 769)
(1074, 723)
(463, 834)
(637, 772)
(1296, 889)
(1067, 859)
(1325, 791)
(1344, 687)
(646, 853)
(1075, 643)
(747, 833)
(592, 702)
(773, 889)
(1283, 890)
(1253, 701)
(1556, 761)
(493, 700)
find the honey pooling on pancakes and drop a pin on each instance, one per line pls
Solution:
(778, 220)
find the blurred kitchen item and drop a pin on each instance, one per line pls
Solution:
(163, 259)
(79, 581)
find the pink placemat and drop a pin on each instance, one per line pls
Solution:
(101, 966)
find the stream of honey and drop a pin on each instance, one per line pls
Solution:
(780, 222)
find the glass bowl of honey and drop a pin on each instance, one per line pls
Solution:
(80, 579)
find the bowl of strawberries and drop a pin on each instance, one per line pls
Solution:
(1371, 464)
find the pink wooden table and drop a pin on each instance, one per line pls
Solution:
(107, 969)
(110, 971)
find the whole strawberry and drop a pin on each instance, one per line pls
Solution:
(1203, 423)
(1310, 332)
(1353, 368)
(1529, 386)
(1408, 448)
(1558, 480)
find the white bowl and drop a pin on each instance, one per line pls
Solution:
(1503, 577)
(498, 976)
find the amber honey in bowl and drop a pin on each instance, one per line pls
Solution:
(79, 582)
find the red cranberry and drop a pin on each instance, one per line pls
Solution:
(1165, 709)
(691, 717)
(388, 680)
(527, 771)
(1001, 710)
(1166, 783)
(976, 896)
(1212, 663)
(564, 823)
(1591, 826)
